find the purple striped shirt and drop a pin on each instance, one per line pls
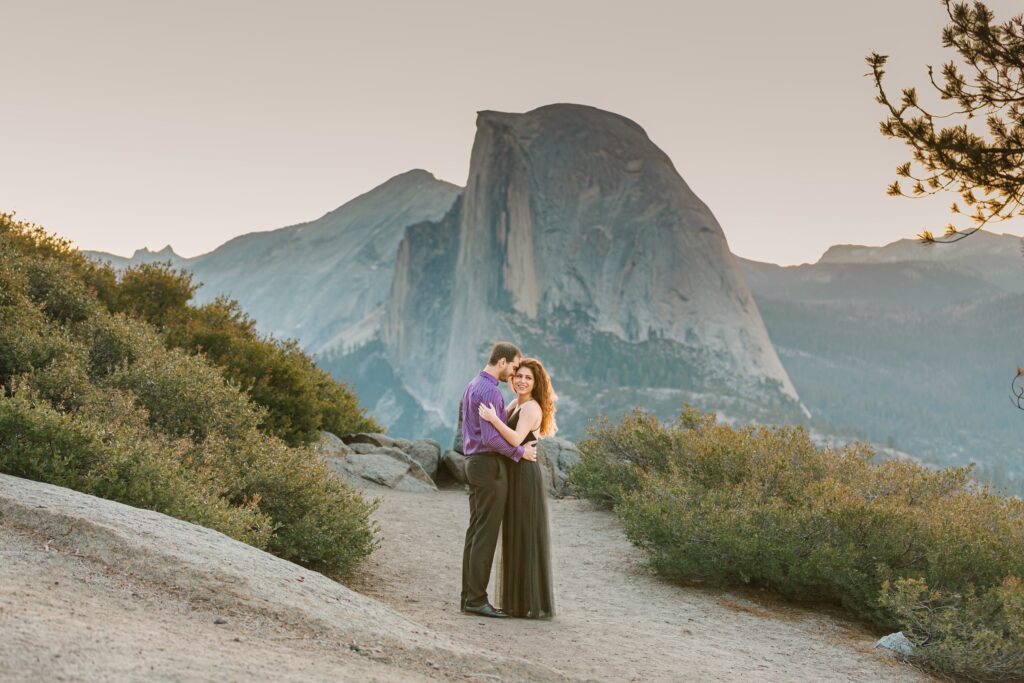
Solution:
(478, 435)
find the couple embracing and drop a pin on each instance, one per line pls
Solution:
(507, 495)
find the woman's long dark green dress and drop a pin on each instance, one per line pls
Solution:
(525, 576)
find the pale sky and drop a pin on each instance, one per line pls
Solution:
(134, 123)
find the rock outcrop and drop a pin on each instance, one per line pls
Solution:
(455, 465)
(557, 456)
(144, 255)
(400, 464)
(424, 452)
(576, 238)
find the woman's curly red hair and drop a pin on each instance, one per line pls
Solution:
(543, 394)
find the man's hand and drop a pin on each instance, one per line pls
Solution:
(530, 452)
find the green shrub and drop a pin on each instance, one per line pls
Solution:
(618, 455)
(154, 292)
(277, 376)
(766, 507)
(28, 340)
(98, 402)
(320, 522)
(56, 287)
(106, 450)
(114, 341)
(972, 633)
(300, 399)
(185, 396)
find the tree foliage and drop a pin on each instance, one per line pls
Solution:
(986, 169)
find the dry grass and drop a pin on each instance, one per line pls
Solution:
(749, 609)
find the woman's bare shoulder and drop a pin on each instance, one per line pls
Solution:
(530, 408)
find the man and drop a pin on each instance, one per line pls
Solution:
(486, 452)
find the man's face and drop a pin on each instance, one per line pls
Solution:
(509, 369)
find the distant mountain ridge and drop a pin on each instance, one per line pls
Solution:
(142, 255)
(907, 345)
(314, 280)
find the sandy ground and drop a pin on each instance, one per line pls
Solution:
(615, 621)
(91, 590)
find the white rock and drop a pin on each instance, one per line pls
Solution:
(897, 642)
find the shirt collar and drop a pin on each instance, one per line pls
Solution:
(489, 377)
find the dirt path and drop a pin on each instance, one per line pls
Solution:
(615, 621)
(92, 590)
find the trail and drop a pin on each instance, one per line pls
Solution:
(616, 621)
(92, 590)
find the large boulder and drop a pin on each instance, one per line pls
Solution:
(374, 439)
(363, 448)
(386, 466)
(455, 465)
(457, 443)
(334, 451)
(372, 458)
(105, 546)
(427, 454)
(555, 457)
(331, 446)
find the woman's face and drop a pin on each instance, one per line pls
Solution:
(522, 381)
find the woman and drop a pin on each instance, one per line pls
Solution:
(524, 577)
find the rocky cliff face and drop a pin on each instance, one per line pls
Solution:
(576, 238)
(419, 311)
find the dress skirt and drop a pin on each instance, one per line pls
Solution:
(524, 575)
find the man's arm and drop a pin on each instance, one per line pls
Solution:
(490, 436)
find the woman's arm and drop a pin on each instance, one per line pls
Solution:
(529, 416)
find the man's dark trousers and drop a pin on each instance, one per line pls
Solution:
(487, 475)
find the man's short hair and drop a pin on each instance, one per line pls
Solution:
(506, 350)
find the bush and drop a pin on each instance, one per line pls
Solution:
(300, 398)
(97, 402)
(320, 522)
(766, 507)
(105, 450)
(154, 292)
(27, 340)
(976, 634)
(186, 397)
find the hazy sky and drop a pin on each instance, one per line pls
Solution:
(135, 123)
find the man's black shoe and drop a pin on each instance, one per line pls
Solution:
(485, 610)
